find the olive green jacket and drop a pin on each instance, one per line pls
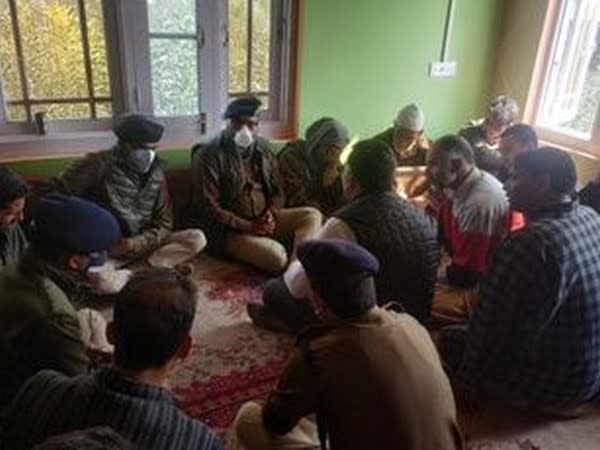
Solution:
(13, 244)
(39, 328)
(141, 203)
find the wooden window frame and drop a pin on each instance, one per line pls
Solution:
(534, 98)
(131, 89)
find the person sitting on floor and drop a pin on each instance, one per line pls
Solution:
(534, 339)
(484, 135)
(515, 140)
(372, 376)
(473, 218)
(13, 193)
(129, 181)
(410, 144)
(401, 235)
(237, 195)
(311, 168)
(39, 328)
(153, 317)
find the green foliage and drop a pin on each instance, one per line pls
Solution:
(54, 55)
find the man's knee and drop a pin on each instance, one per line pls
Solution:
(310, 216)
(248, 422)
(196, 240)
(275, 260)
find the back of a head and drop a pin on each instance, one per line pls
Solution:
(523, 134)
(153, 316)
(12, 187)
(552, 162)
(98, 438)
(503, 110)
(454, 145)
(372, 163)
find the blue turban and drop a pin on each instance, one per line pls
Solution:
(342, 272)
(75, 224)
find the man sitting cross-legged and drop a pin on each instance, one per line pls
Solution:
(153, 317)
(237, 195)
(128, 181)
(311, 168)
(371, 375)
(39, 328)
(534, 339)
(401, 235)
(472, 212)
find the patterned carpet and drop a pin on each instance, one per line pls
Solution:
(233, 362)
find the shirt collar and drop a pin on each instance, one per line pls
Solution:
(467, 184)
(111, 379)
(552, 211)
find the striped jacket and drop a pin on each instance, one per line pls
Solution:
(51, 403)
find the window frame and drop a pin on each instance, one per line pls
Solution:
(128, 58)
(536, 90)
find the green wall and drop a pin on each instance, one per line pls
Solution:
(363, 60)
(174, 159)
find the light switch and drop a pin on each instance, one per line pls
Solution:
(442, 69)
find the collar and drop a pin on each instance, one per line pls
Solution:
(467, 183)
(114, 381)
(552, 211)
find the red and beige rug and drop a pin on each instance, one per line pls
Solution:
(233, 362)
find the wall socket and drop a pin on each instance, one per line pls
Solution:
(442, 69)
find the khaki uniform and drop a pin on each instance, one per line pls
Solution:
(231, 190)
(376, 383)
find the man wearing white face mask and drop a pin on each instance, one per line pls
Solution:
(129, 181)
(237, 195)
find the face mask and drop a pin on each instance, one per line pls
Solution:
(96, 260)
(141, 159)
(243, 138)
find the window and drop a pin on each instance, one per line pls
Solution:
(249, 42)
(53, 59)
(81, 62)
(568, 90)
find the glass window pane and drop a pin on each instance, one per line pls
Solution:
(172, 16)
(97, 42)
(16, 113)
(104, 110)
(571, 95)
(59, 111)
(238, 45)
(53, 52)
(9, 71)
(261, 44)
(174, 77)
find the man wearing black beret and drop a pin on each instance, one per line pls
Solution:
(39, 328)
(128, 181)
(237, 195)
(372, 376)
